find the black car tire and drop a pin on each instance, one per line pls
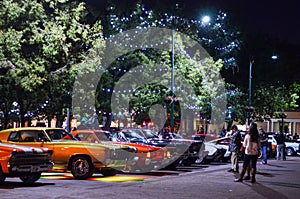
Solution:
(31, 177)
(82, 168)
(2, 176)
(173, 165)
(109, 172)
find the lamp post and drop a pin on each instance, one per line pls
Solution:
(249, 108)
(282, 115)
(205, 20)
(172, 79)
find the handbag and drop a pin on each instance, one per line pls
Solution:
(242, 149)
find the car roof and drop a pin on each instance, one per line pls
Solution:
(31, 128)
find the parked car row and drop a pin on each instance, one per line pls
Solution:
(183, 151)
(27, 152)
(218, 147)
(85, 152)
(80, 158)
(158, 152)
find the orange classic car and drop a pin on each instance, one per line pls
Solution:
(27, 163)
(149, 157)
(69, 154)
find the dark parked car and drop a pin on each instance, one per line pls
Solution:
(183, 151)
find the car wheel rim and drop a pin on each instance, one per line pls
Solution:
(289, 152)
(81, 167)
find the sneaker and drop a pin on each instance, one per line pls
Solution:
(253, 180)
(246, 178)
(230, 170)
(238, 180)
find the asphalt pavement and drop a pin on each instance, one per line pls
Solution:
(277, 180)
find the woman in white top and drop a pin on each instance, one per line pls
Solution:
(252, 152)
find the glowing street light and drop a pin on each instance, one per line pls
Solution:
(205, 19)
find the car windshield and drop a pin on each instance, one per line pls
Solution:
(103, 136)
(59, 134)
(131, 134)
(149, 134)
(85, 137)
(27, 136)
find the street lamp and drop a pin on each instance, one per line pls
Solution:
(249, 109)
(172, 77)
(282, 115)
(205, 20)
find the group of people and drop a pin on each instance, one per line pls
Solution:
(254, 146)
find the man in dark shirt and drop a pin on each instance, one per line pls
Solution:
(264, 144)
(280, 138)
(234, 148)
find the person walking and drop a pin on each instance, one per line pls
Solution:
(252, 152)
(264, 144)
(234, 148)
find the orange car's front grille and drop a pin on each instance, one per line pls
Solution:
(23, 159)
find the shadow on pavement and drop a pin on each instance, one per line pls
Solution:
(13, 185)
(266, 191)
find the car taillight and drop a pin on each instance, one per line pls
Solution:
(168, 154)
(159, 154)
(148, 156)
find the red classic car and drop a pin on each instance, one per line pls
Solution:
(149, 157)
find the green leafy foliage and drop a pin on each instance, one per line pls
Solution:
(42, 40)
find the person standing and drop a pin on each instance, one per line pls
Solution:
(252, 151)
(264, 144)
(234, 148)
(296, 136)
(280, 153)
(223, 133)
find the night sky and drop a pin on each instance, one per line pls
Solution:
(275, 17)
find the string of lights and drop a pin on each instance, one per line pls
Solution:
(212, 35)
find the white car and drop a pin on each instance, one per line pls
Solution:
(291, 147)
(218, 150)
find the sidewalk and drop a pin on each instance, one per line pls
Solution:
(278, 179)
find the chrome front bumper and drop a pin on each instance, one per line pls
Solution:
(31, 168)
